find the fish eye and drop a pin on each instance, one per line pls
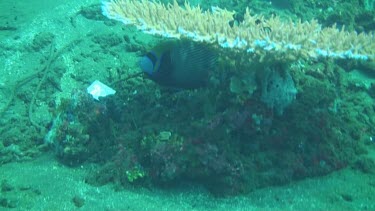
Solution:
(151, 55)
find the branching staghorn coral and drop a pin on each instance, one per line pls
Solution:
(271, 40)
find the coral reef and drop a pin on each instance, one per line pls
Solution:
(273, 111)
(266, 39)
(78, 119)
(232, 144)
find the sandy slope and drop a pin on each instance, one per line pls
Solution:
(44, 184)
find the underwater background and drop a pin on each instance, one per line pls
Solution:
(235, 135)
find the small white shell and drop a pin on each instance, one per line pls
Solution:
(98, 89)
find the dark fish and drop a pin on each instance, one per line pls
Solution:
(180, 64)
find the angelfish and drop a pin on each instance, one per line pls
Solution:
(180, 64)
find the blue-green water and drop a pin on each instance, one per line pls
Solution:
(297, 135)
